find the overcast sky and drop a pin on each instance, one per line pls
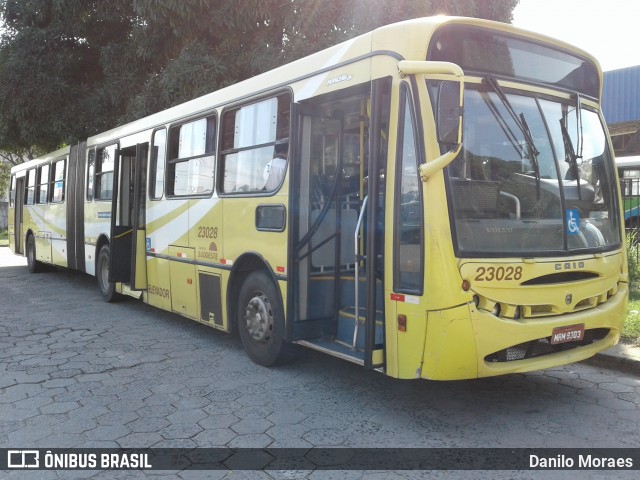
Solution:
(607, 29)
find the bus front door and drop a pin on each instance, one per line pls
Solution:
(330, 270)
(128, 247)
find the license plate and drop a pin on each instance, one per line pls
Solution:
(570, 333)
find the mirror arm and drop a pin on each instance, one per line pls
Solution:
(427, 170)
(414, 67)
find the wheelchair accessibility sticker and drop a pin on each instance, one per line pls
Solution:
(573, 221)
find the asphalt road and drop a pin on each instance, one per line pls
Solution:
(76, 372)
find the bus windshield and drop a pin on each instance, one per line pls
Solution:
(534, 177)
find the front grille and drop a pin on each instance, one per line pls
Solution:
(543, 346)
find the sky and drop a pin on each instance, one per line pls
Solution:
(607, 29)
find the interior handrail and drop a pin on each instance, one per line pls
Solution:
(356, 245)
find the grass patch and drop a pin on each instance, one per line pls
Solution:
(631, 328)
(4, 238)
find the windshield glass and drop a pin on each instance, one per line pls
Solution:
(534, 183)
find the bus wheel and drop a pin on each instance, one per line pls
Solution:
(107, 288)
(33, 265)
(261, 319)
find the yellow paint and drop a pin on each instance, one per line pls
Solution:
(183, 282)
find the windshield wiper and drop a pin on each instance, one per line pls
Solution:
(521, 123)
(570, 155)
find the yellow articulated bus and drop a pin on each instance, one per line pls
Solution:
(436, 199)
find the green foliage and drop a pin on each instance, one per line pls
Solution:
(5, 170)
(633, 257)
(72, 68)
(631, 329)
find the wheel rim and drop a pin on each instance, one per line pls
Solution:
(30, 254)
(104, 274)
(258, 318)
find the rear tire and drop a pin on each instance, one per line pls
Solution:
(261, 319)
(107, 288)
(33, 265)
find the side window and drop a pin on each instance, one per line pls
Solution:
(91, 164)
(255, 144)
(156, 169)
(12, 191)
(105, 161)
(30, 192)
(191, 158)
(43, 184)
(57, 181)
(408, 237)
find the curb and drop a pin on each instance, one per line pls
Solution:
(622, 357)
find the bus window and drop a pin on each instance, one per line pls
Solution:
(408, 234)
(90, 169)
(43, 184)
(104, 172)
(255, 142)
(30, 195)
(57, 181)
(156, 169)
(191, 158)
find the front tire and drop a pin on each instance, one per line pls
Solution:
(33, 265)
(107, 288)
(261, 319)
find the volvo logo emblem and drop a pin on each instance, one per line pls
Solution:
(568, 299)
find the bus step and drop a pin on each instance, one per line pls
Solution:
(346, 324)
(334, 349)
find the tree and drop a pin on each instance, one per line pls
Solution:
(72, 68)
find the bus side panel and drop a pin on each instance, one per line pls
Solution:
(450, 347)
(97, 215)
(167, 231)
(56, 220)
(35, 222)
(205, 237)
(158, 285)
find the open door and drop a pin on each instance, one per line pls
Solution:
(138, 253)
(127, 260)
(19, 206)
(337, 302)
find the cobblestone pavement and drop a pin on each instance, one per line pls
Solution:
(76, 372)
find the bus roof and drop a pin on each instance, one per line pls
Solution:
(44, 159)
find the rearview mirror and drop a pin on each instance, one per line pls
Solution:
(449, 113)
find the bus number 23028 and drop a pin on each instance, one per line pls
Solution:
(207, 232)
(489, 274)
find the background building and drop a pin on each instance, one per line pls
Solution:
(621, 108)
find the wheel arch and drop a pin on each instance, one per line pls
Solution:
(246, 264)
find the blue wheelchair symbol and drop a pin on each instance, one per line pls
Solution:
(573, 221)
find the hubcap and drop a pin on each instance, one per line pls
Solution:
(104, 274)
(259, 318)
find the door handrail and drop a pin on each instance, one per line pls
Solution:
(356, 248)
